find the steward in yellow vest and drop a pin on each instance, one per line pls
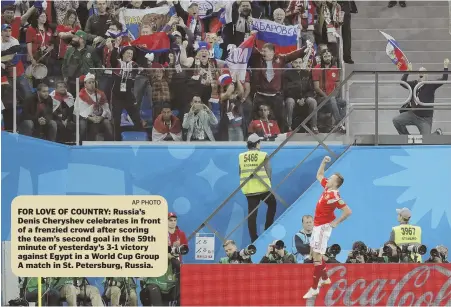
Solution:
(258, 187)
(406, 234)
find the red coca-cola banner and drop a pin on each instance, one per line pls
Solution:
(285, 284)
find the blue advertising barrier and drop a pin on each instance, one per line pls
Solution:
(193, 179)
(377, 181)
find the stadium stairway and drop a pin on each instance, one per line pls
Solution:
(422, 30)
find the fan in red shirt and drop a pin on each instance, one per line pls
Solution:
(324, 222)
(176, 236)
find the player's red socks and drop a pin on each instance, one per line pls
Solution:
(317, 272)
(324, 275)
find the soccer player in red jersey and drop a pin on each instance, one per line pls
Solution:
(324, 222)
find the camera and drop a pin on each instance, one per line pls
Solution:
(333, 250)
(248, 251)
(178, 250)
(414, 248)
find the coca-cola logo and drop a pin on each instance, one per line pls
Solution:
(408, 290)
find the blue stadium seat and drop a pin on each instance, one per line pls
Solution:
(134, 136)
(175, 112)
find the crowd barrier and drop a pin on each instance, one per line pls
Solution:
(285, 284)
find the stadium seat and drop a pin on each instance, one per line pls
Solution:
(134, 136)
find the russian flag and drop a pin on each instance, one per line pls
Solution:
(157, 42)
(284, 38)
(238, 58)
(220, 18)
(395, 53)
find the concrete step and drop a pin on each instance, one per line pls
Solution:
(357, 116)
(408, 12)
(409, 4)
(406, 45)
(399, 23)
(413, 56)
(402, 34)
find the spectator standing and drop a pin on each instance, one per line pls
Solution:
(198, 121)
(17, 17)
(422, 119)
(326, 77)
(10, 45)
(192, 20)
(122, 94)
(239, 29)
(303, 14)
(279, 16)
(160, 80)
(298, 91)
(40, 43)
(94, 111)
(62, 7)
(37, 114)
(66, 31)
(268, 79)
(348, 7)
(328, 24)
(166, 126)
(78, 60)
(98, 24)
(231, 110)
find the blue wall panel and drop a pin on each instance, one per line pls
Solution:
(193, 179)
(377, 181)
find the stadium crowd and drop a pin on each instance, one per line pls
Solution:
(185, 93)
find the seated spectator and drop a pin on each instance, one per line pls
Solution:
(299, 93)
(94, 110)
(66, 125)
(231, 109)
(37, 115)
(263, 126)
(325, 82)
(166, 126)
(422, 119)
(199, 121)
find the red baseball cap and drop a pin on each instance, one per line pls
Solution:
(171, 214)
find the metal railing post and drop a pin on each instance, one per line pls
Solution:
(77, 114)
(376, 115)
(14, 99)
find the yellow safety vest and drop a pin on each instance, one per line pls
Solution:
(249, 161)
(408, 234)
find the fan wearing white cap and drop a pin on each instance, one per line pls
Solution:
(406, 234)
(258, 188)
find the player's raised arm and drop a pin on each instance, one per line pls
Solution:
(320, 173)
